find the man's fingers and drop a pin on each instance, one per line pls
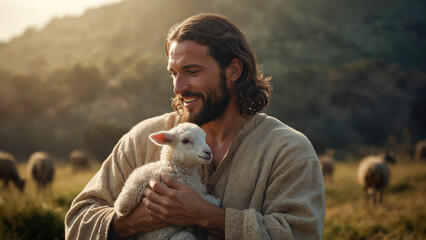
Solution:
(158, 187)
(152, 195)
(158, 200)
(172, 183)
(153, 209)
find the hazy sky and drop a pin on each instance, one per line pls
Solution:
(18, 15)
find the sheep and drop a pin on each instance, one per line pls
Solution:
(184, 147)
(327, 165)
(374, 175)
(79, 160)
(41, 168)
(8, 171)
(420, 151)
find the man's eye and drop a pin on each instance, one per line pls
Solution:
(185, 141)
(193, 72)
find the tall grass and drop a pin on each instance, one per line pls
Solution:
(402, 215)
(40, 215)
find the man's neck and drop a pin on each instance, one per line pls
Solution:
(225, 127)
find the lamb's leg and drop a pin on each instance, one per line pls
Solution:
(162, 233)
(183, 235)
(374, 196)
(211, 199)
(366, 195)
(131, 194)
(381, 196)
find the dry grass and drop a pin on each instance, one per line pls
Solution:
(401, 216)
(40, 215)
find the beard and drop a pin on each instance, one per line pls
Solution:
(214, 104)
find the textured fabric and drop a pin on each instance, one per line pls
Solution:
(269, 182)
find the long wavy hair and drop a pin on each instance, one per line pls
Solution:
(225, 41)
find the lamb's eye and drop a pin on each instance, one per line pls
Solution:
(185, 141)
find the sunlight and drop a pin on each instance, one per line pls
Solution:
(18, 15)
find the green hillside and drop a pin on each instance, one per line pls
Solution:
(346, 73)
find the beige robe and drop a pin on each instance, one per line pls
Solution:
(269, 182)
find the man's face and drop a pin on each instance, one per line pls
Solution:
(198, 82)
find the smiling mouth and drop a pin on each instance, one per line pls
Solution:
(190, 99)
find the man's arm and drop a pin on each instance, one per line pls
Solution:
(92, 211)
(136, 222)
(92, 215)
(180, 205)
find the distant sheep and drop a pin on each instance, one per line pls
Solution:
(327, 165)
(78, 160)
(420, 151)
(184, 148)
(374, 175)
(8, 171)
(41, 168)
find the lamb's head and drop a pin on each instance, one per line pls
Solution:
(185, 142)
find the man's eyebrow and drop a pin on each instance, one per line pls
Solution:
(187, 66)
(192, 66)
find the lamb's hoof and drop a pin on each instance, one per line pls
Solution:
(121, 212)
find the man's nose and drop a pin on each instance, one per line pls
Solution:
(180, 84)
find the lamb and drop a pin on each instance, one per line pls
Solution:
(184, 148)
(79, 160)
(374, 175)
(8, 171)
(41, 168)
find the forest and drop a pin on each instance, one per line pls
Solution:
(350, 77)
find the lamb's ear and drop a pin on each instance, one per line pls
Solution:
(161, 138)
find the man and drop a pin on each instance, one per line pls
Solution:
(266, 174)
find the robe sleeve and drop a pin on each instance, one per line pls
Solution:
(293, 208)
(91, 212)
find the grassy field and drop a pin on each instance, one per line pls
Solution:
(40, 216)
(402, 215)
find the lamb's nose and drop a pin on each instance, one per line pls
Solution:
(208, 153)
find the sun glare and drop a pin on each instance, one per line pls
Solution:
(18, 15)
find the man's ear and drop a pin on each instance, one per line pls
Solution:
(161, 138)
(234, 70)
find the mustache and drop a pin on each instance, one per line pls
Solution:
(188, 94)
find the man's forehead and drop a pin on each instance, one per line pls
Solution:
(187, 53)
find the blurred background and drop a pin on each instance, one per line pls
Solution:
(350, 75)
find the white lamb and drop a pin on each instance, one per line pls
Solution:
(184, 148)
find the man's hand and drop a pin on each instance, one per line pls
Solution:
(175, 203)
(136, 222)
(180, 205)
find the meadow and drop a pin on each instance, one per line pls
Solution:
(401, 216)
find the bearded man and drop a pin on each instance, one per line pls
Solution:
(266, 174)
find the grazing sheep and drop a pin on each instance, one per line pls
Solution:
(374, 175)
(184, 148)
(79, 160)
(41, 168)
(420, 152)
(327, 165)
(8, 171)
